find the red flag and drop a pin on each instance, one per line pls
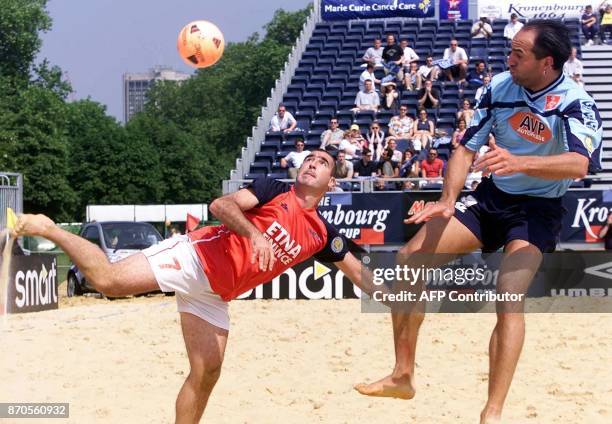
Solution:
(191, 223)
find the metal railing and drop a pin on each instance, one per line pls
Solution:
(253, 142)
(11, 194)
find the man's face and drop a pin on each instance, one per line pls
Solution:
(453, 45)
(392, 144)
(377, 44)
(513, 19)
(429, 61)
(299, 146)
(428, 84)
(480, 67)
(367, 157)
(526, 70)
(432, 155)
(340, 157)
(368, 85)
(486, 80)
(403, 111)
(281, 111)
(333, 124)
(404, 44)
(316, 171)
(390, 39)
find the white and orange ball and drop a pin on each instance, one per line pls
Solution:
(200, 44)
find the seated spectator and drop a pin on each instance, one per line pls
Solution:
(387, 168)
(412, 79)
(606, 22)
(401, 127)
(282, 120)
(476, 77)
(458, 133)
(432, 168)
(410, 55)
(459, 59)
(393, 55)
(466, 112)
(482, 28)
(428, 71)
(589, 25)
(573, 67)
(365, 167)
(375, 138)
(409, 168)
(485, 82)
(392, 146)
(424, 129)
(374, 54)
(390, 97)
(367, 99)
(294, 160)
(331, 138)
(428, 96)
(512, 27)
(368, 74)
(343, 168)
(353, 143)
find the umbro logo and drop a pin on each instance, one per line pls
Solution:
(284, 206)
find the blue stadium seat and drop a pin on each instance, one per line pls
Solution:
(254, 175)
(278, 174)
(260, 167)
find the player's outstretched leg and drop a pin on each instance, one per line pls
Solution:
(446, 238)
(205, 345)
(132, 275)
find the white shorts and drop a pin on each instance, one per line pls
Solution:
(177, 269)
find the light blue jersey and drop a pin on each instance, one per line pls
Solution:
(560, 118)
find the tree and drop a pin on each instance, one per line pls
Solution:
(285, 27)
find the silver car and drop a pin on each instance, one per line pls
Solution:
(118, 240)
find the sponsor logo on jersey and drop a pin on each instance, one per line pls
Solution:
(285, 248)
(530, 127)
(337, 244)
(588, 115)
(552, 101)
(588, 144)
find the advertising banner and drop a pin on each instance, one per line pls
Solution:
(32, 284)
(587, 212)
(367, 9)
(531, 9)
(454, 9)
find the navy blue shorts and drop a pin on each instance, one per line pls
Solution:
(496, 217)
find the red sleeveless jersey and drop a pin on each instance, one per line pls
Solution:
(296, 234)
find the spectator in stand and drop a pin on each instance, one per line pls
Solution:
(376, 139)
(390, 97)
(412, 80)
(353, 143)
(512, 27)
(428, 71)
(393, 55)
(485, 82)
(294, 160)
(476, 77)
(401, 127)
(573, 67)
(343, 168)
(429, 97)
(606, 22)
(387, 168)
(424, 130)
(460, 59)
(367, 99)
(392, 146)
(331, 138)
(374, 54)
(409, 168)
(432, 168)
(410, 55)
(368, 74)
(589, 25)
(482, 28)
(282, 120)
(458, 133)
(466, 113)
(365, 167)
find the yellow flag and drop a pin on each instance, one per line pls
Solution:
(11, 218)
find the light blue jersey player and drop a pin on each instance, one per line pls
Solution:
(559, 118)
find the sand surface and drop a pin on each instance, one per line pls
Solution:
(123, 361)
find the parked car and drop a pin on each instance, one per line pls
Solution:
(118, 240)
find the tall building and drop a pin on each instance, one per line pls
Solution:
(136, 86)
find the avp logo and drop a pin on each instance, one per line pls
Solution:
(530, 127)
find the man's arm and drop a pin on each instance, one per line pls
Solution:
(229, 209)
(422, 99)
(292, 125)
(349, 174)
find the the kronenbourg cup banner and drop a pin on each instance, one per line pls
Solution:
(364, 9)
(531, 9)
(587, 212)
(32, 284)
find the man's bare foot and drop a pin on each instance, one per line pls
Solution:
(389, 386)
(490, 417)
(33, 225)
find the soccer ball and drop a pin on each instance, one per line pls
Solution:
(200, 44)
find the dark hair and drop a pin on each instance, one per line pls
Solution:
(389, 152)
(370, 65)
(299, 140)
(552, 39)
(366, 151)
(481, 61)
(404, 39)
(514, 15)
(390, 34)
(326, 152)
(333, 117)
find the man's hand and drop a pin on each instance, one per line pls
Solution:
(262, 252)
(32, 225)
(498, 161)
(431, 210)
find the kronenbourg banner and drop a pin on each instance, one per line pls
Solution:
(531, 9)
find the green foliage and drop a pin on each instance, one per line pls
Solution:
(177, 151)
